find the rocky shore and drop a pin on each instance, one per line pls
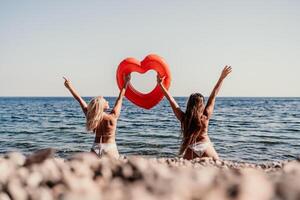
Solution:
(84, 176)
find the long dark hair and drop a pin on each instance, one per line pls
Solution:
(191, 123)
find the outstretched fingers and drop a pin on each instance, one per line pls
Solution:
(227, 70)
(127, 77)
(160, 79)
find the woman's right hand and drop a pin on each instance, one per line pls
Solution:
(227, 70)
(159, 79)
(67, 83)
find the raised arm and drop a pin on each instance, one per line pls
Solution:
(175, 107)
(75, 94)
(212, 98)
(118, 105)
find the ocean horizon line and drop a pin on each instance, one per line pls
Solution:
(173, 96)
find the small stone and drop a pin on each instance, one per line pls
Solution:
(40, 194)
(58, 191)
(50, 170)
(22, 174)
(4, 196)
(255, 185)
(16, 158)
(80, 169)
(39, 156)
(218, 163)
(16, 189)
(292, 167)
(127, 171)
(7, 169)
(34, 179)
(90, 159)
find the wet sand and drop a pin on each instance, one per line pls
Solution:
(84, 176)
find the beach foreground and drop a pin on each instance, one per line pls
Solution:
(84, 176)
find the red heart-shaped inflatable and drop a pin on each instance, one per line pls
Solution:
(153, 62)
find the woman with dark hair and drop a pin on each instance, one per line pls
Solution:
(195, 120)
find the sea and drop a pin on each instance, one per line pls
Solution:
(248, 129)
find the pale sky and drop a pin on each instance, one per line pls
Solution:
(41, 41)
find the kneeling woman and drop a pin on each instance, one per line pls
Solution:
(194, 121)
(99, 122)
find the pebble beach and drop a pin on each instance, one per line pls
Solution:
(41, 175)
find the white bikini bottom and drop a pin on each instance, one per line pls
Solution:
(199, 147)
(104, 148)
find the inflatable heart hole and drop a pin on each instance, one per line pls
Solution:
(150, 62)
(144, 83)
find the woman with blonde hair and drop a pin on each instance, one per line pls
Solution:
(99, 122)
(195, 120)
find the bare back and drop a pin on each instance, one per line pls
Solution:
(201, 135)
(106, 130)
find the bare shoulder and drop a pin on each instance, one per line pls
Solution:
(112, 116)
(204, 119)
(204, 116)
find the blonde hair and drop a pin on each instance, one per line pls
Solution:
(94, 113)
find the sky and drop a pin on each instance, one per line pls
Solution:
(41, 41)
